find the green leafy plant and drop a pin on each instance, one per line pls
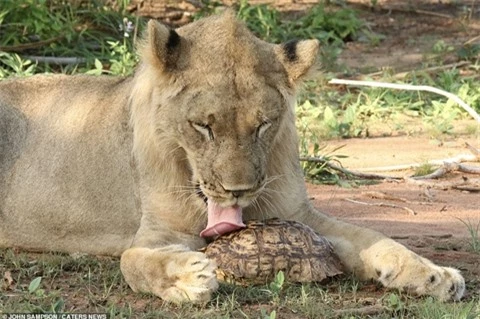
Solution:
(265, 315)
(439, 119)
(122, 57)
(394, 303)
(80, 29)
(14, 65)
(27, 21)
(34, 287)
(424, 169)
(123, 60)
(474, 231)
(277, 284)
(318, 23)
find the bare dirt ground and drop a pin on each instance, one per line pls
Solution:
(438, 229)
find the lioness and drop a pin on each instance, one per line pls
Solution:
(201, 138)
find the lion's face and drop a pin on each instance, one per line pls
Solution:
(222, 96)
(227, 140)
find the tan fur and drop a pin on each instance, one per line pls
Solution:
(114, 165)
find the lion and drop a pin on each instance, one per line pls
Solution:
(148, 167)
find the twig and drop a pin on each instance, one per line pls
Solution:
(344, 170)
(27, 46)
(440, 236)
(402, 75)
(435, 14)
(475, 151)
(439, 172)
(472, 40)
(55, 60)
(472, 189)
(457, 159)
(449, 167)
(443, 185)
(410, 211)
(381, 195)
(468, 169)
(410, 87)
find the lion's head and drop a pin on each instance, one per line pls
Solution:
(217, 94)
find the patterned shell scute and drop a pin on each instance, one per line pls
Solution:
(256, 253)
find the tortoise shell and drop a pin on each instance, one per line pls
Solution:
(255, 254)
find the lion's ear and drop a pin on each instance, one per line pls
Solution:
(299, 58)
(161, 46)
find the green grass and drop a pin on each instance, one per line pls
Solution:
(474, 231)
(54, 282)
(83, 30)
(424, 169)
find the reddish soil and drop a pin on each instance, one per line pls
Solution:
(438, 230)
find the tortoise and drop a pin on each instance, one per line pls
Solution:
(256, 253)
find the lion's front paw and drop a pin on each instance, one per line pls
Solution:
(397, 267)
(173, 273)
(193, 277)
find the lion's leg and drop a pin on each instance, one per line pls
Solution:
(371, 255)
(174, 273)
(165, 262)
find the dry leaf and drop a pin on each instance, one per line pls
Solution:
(7, 280)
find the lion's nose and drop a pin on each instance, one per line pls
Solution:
(238, 193)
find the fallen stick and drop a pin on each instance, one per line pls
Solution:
(449, 167)
(457, 159)
(385, 196)
(344, 170)
(32, 45)
(475, 151)
(364, 311)
(441, 236)
(472, 189)
(410, 211)
(443, 185)
(55, 60)
(410, 87)
(402, 75)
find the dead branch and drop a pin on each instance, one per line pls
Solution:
(344, 170)
(475, 151)
(410, 211)
(449, 167)
(430, 13)
(439, 172)
(441, 236)
(457, 159)
(472, 40)
(27, 46)
(472, 189)
(473, 183)
(55, 60)
(364, 311)
(402, 75)
(381, 195)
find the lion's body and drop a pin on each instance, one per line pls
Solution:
(65, 179)
(203, 134)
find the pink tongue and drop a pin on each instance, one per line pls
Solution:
(222, 220)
